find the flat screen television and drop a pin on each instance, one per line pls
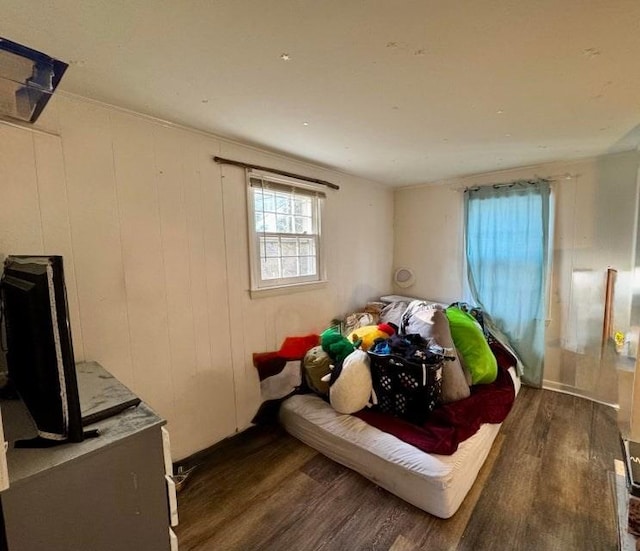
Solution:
(39, 347)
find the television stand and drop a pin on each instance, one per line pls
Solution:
(101, 494)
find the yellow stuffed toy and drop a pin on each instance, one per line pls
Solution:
(368, 334)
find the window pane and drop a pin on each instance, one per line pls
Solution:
(270, 268)
(283, 203)
(259, 222)
(303, 224)
(269, 201)
(290, 267)
(270, 222)
(307, 265)
(307, 246)
(262, 249)
(258, 203)
(272, 246)
(289, 247)
(283, 223)
(302, 205)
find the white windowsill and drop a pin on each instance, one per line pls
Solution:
(287, 289)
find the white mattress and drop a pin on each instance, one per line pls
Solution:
(435, 483)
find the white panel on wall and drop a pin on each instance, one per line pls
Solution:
(141, 242)
(219, 413)
(56, 229)
(177, 275)
(246, 317)
(95, 231)
(428, 239)
(197, 251)
(357, 244)
(19, 205)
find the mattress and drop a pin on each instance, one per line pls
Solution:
(436, 484)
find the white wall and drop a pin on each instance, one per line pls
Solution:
(155, 243)
(595, 218)
(428, 239)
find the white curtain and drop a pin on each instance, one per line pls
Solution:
(507, 248)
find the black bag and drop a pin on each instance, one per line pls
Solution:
(407, 377)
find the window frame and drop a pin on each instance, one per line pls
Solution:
(258, 285)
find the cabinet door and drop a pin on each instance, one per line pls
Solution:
(114, 498)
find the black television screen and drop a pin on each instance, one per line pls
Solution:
(39, 347)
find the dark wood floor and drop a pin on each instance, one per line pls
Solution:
(545, 486)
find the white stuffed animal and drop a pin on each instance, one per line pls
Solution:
(352, 388)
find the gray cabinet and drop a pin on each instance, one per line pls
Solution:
(104, 494)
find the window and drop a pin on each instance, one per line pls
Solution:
(284, 229)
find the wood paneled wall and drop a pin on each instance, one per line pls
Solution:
(154, 237)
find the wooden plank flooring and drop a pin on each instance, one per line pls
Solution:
(545, 486)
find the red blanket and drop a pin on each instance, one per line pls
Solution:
(450, 424)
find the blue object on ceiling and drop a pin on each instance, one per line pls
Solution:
(28, 79)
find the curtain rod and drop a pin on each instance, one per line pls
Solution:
(220, 160)
(520, 182)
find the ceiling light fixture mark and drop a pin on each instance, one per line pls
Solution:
(392, 44)
(205, 100)
(499, 111)
(591, 52)
(305, 123)
(285, 57)
(420, 52)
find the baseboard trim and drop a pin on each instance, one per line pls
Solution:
(572, 391)
(200, 456)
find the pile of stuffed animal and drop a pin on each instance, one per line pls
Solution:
(339, 367)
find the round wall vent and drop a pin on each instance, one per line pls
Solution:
(404, 277)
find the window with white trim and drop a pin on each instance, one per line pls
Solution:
(284, 231)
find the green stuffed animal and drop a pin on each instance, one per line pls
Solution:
(336, 345)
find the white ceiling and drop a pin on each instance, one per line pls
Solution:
(398, 91)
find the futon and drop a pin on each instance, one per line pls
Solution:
(435, 483)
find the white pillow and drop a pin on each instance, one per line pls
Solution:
(352, 389)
